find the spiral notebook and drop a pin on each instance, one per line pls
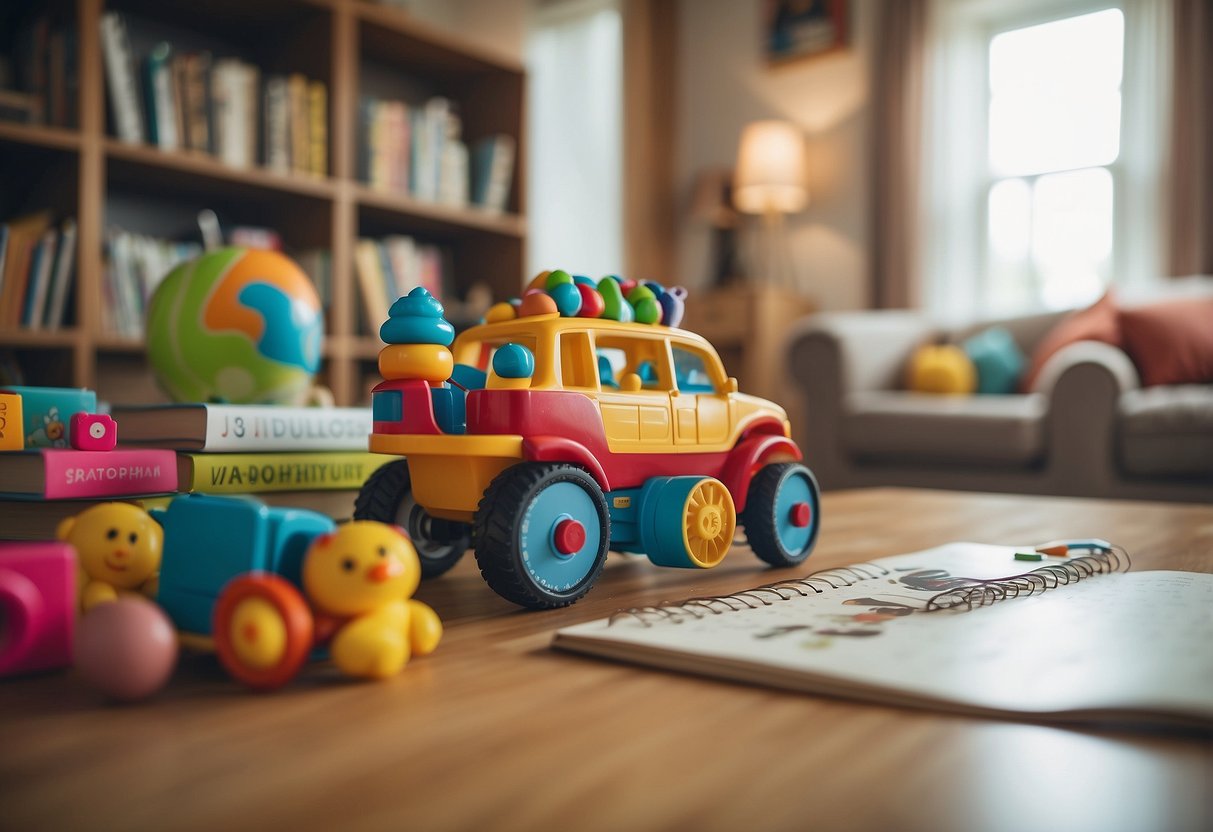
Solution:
(964, 627)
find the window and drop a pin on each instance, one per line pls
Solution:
(690, 371)
(619, 357)
(574, 138)
(1040, 171)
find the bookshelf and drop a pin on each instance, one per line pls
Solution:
(356, 48)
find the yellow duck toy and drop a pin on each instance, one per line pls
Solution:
(118, 548)
(365, 574)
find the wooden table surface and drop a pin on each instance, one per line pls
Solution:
(495, 731)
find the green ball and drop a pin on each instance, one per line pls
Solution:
(556, 278)
(236, 325)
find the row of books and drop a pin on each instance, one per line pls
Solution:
(420, 151)
(44, 81)
(134, 266)
(391, 268)
(307, 457)
(37, 271)
(194, 101)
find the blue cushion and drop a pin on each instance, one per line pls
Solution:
(998, 359)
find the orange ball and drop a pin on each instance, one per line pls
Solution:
(537, 303)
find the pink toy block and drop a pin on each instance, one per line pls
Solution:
(93, 432)
(37, 606)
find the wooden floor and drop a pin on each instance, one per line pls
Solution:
(495, 731)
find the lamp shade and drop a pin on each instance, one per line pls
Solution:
(770, 169)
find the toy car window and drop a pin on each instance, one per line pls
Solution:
(643, 356)
(577, 363)
(690, 371)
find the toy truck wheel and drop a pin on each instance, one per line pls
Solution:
(263, 630)
(782, 514)
(542, 532)
(387, 496)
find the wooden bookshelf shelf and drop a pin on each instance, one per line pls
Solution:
(200, 170)
(353, 47)
(435, 217)
(57, 138)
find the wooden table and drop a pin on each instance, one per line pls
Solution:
(495, 731)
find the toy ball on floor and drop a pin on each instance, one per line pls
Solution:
(126, 648)
(236, 325)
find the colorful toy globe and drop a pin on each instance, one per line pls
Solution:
(236, 325)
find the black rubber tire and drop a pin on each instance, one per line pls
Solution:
(387, 496)
(498, 524)
(759, 515)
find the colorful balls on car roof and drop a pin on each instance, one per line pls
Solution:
(577, 296)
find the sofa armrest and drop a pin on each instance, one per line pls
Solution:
(1084, 383)
(831, 356)
(867, 350)
(1086, 363)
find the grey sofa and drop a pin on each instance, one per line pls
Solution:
(1088, 428)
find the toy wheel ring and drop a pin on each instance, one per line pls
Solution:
(387, 496)
(782, 514)
(263, 630)
(542, 533)
(708, 522)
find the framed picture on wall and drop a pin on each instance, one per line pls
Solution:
(794, 30)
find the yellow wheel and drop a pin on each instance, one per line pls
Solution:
(257, 633)
(263, 630)
(709, 521)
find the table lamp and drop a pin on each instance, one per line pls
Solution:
(770, 180)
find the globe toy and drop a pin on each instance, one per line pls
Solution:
(236, 325)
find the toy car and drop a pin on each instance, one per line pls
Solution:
(546, 439)
(233, 564)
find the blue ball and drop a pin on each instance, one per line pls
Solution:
(567, 299)
(513, 361)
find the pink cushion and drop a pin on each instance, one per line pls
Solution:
(1095, 323)
(1170, 342)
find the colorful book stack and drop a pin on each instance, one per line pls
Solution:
(134, 266)
(189, 100)
(391, 268)
(37, 270)
(306, 457)
(419, 151)
(58, 457)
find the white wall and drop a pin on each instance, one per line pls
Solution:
(724, 83)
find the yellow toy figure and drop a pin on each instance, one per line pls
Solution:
(365, 574)
(118, 548)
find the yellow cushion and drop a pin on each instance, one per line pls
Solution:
(942, 369)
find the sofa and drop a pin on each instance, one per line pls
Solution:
(1087, 427)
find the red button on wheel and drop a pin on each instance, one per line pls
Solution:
(800, 515)
(569, 536)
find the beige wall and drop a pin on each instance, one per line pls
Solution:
(495, 24)
(724, 84)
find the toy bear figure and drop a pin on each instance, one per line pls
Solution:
(365, 574)
(118, 547)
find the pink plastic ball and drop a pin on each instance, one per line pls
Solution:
(126, 649)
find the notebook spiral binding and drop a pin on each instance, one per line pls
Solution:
(984, 593)
(978, 593)
(759, 596)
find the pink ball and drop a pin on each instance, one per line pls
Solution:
(126, 648)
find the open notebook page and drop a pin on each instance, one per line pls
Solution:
(1121, 644)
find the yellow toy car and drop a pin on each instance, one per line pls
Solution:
(543, 439)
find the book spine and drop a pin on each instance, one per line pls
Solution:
(65, 265)
(370, 279)
(12, 427)
(235, 428)
(277, 125)
(36, 305)
(250, 473)
(120, 74)
(161, 107)
(318, 127)
(297, 89)
(75, 475)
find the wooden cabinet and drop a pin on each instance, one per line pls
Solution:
(357, 48)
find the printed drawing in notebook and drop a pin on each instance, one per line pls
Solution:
(957, 628)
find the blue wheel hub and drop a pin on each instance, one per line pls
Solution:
(553, 569)
(796, 512)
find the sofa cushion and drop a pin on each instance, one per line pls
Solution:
(896, 425)
(1171, 342)
(1095, 323)
(1167, 431)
